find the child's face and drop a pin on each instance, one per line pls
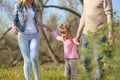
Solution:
(64, 34)
(64, 31)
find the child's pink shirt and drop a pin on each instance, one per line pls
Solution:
(69, 46)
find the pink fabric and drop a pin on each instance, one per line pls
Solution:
(69, 46)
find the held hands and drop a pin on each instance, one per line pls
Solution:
(14, 30)
(47, 27)
(78, 39)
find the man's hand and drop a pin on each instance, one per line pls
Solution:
(78, 39)
(110, 38)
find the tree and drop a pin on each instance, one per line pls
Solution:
(41, 6)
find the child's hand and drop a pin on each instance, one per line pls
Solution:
(42, 25)
(49, 29)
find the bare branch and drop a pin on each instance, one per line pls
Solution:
(2, 49)
(46, 1)
(63, 8)
(41, 8)
(5, 33)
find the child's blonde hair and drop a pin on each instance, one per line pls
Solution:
(65, 28)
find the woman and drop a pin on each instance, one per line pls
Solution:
(25, 24)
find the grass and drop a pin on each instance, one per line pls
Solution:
(15, 73)
(47, 72)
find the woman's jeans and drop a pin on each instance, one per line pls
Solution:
(29, 46)
(91, 53)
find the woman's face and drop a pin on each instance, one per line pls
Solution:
(30, 1)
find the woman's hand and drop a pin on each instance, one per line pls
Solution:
(49, 29)
(14, 30)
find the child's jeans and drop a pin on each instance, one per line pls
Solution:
(29, 46)
(71, 69)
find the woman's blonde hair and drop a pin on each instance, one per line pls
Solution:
(65, 28)
(21, 1)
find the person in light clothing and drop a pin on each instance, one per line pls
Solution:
(97, 14)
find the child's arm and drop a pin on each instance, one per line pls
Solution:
(56, 36)
(53, 33)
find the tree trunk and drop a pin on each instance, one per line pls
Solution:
(40, 7)
(5, 33)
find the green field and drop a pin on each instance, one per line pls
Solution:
(49, 72)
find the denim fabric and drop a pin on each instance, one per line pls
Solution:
(29, 45)
(92, 43)
(71, 69)
(19, 17)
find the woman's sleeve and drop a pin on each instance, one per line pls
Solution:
(15, 14)
(56, 36)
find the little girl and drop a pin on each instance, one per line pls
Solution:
(70, 53)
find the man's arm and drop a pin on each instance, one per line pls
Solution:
(110, 28)
(81, 26)
(107, 4)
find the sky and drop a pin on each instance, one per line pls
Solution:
(61, 13)
(116, 5)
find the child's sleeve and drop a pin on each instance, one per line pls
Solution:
(77, 43)
(56, 36)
